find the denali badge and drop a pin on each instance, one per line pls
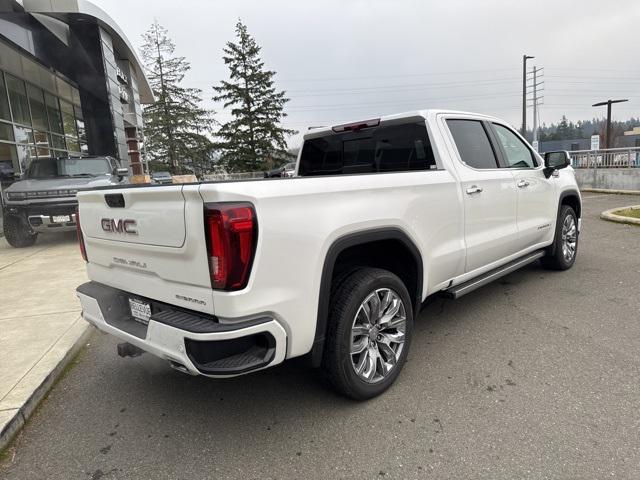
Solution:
(119, 226)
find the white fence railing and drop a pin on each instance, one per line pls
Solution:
(606, 158)
(212, 177)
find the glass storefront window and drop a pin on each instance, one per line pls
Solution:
(5, 113)
(25, 154)
(57, 141)
(41, 139)
(38, 109)
(68, 119)
(8, 162)
(43, 152)
(6, 131)
(59, 153)
(24, 135)
(53, 109)
(73, 145)
(36, 123)
(82, 134)
(18, 100)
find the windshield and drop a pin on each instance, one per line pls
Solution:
(68, 167)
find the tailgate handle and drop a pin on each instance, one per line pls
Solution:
(114, 200)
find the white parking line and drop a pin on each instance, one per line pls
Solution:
(597, 196)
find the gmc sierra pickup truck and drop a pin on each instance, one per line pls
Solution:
(226, 278)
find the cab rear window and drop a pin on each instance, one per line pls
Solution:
(396, 148)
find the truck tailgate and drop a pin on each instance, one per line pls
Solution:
(137, 240)
(146, 216)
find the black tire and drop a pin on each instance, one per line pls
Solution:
(556, 258)
(337, 364)
(18, 234)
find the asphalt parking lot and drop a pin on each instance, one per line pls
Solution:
(534, 376)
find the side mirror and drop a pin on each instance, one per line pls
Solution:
(555, 161)
(122, 172)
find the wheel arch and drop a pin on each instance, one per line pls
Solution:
(571, 197)
(343, 244)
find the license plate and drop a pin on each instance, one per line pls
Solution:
(140, 310)
(61, 218)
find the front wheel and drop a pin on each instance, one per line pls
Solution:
(18, 234)
(369, 333)
(564, 249)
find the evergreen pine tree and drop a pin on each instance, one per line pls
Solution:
(253, 139)
(175, 126)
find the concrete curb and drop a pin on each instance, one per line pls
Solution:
(21, 415)
(612, 217)
(616, 192)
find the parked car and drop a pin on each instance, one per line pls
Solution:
(44, 199)
(286, 170)
(222, 279)
(161, 177)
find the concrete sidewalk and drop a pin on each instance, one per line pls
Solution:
(40, 324)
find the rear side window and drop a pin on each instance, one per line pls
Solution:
(473, 143)
(396, 148)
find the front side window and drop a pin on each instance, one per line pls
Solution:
(395, 148)
(473, 143)
(517, 154)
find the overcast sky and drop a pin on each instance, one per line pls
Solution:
(356, 59)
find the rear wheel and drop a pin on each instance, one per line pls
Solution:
(369, 333)
(563, 252)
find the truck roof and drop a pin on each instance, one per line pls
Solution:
(426, 113)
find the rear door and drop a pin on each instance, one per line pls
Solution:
(488, 191)
(537, 207)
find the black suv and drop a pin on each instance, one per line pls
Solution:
(44, 199)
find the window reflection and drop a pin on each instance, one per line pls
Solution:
(5, 113)
(35, 123)
(18, 100)
(38, 109)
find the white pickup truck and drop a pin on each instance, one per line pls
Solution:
(225, 278)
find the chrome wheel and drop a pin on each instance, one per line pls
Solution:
(569, 238)
(378, 335)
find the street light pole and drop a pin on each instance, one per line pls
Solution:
(524, 93)
(608, 103)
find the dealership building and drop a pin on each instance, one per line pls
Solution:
(71, 84)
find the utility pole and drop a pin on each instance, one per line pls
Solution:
(537, 100)
(524, 93)
(607, 140)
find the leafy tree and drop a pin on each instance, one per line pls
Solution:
(176, 125)
(253, 139)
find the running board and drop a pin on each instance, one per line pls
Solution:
(458, 291)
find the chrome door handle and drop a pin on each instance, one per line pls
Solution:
(473, 189)
(523, 184)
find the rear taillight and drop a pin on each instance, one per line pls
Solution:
(83, 249)
(232, 233)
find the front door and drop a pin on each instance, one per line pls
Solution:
(489, 194)
(537, 207)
